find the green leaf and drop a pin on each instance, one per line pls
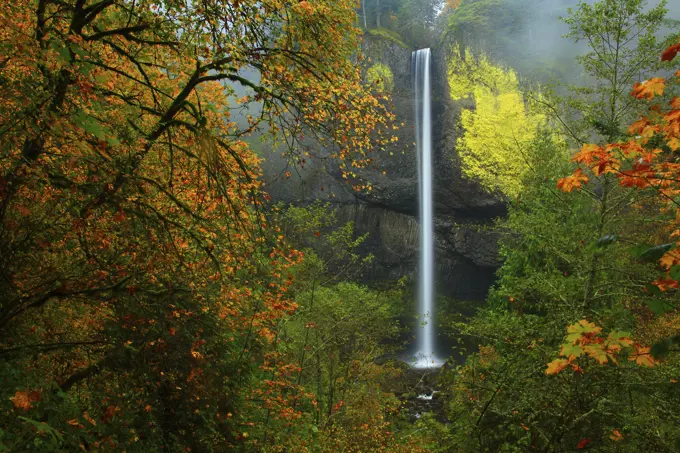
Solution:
(89, 124)
(43, 428)
(653, 290)
(64, 54)
(658, 306)
(675, 273)
(655, 253)
(571, 349)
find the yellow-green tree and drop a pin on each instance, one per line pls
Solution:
(498, 125)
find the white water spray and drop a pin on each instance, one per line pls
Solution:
(425, 356)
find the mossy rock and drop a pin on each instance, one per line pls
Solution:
(389, 35)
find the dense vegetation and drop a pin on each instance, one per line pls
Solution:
(153, 299)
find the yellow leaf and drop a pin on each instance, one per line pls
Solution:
(649, 88)
(556, 366)
(643, 357)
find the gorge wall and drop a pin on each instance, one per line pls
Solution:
(465, 246)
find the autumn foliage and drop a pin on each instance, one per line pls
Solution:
(141, 281)
(647, 160)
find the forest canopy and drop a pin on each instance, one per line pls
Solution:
(157, 296)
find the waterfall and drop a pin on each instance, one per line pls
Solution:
(425, 336)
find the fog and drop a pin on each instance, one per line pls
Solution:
(531, 38)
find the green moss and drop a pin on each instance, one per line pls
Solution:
(389, 35)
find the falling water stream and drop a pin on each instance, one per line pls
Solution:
(425, 336)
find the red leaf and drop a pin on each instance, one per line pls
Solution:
(119, 217)
(671, 52)
(583, 444)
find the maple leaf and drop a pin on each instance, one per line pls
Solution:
(583, 443)
(626, 179)
(619, 338)
(638, 126)
(24, 399)
(597, 352)
(670, 53)
(674, 143)
(669, 259)
(607, 165)
(643, 356)
(556, 366)
(572, 182)
(616, 435)
(576, 331)
(665, 284)
(571, 350)
(649, 88)
(588, 154)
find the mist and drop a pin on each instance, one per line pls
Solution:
(528, 36)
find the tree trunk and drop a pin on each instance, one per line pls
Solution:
(377, 13)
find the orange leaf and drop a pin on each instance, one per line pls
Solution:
(665, 284)
(556, 366)
(669, 259)
(649, 88)
(674, 143)
(87, 417)
(643, 357)
(616, 435)
(637, 127)
(588, 154)
(24, 399)
(75, 423)
(572, 182)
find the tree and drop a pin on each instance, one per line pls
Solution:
(497, 123)
(567, 258)
(142, 283)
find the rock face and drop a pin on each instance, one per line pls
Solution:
(466, 250)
